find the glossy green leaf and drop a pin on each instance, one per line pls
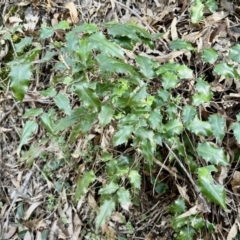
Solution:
(170, 80)
(197, 11)
(212, 5)
(143, 133)
(28, 129)
(218, 125)
(234, 53)
(72, 41)
(174, 127)
(184, 72)
(188, 114)
(105, 212)
(226, 70)
(83, 183)
(147, 150)
(49, 92)
(109, 188)
(135, 179)
(85, 27)
(179, 44)
(34, 112)
(155, 119)
(105, 115)
(146, 66)
(119, 30)
(211, 153)
(122, 135)
(110, 64)
(186, 233)
(84, 51)
(202, 86)
(47, 121)
(46, 32)
(63, 103)
(124, 198)
(65, 123)
(178, 206)
(87, 95)
(236, 131)
(209, 55)
(20, 76)
(99, 41)
(199, 127)
(214, 193)
(201, 98)
(63, 25)
(23, 43)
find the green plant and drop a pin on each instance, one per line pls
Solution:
(197, 8)
(186, 227)
(113, 93)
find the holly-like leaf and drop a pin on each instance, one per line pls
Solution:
(124, 198)
(109, 188)
(28, 129)
(46, 32)
(179, 44)
(122, 135)
(201, 98)
(143, 133)
(155, 119)
(236, 131)
(170, 80)
(174, 127)
(184, 72)
(63, 103)
(47, 121)
(211, 153)
(218, 126)
(87, 95)
(234, 53)
(20, 76)
(212, 5)
(199, 127)
(23, 43)
(119, 30)
(209, 55)
(147, 150)
(178, 206)
(135, 179)
(188, 114)
(146, 66)
(99, 41)
(105, 212)
(226, 70)
(105, 116)
(33, 112)
(110, 64)
(197, 11)
(86, 27)
(83, 184)
(214, 193)
(63, 25)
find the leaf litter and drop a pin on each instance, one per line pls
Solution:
(38, 204)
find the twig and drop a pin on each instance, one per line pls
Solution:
(202, 199)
